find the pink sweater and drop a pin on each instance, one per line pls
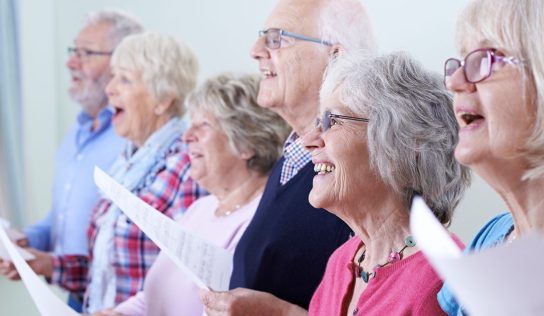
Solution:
(167, 291)
(408, 287)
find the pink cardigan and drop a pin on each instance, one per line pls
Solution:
(408, 287)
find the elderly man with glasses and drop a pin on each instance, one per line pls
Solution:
(90, 142)
(284, 251)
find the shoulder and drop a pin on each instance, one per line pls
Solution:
(492, 233)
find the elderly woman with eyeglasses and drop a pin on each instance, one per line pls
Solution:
(499, 103)
(386, 132)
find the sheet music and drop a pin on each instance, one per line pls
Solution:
(505, 280)
(209, 266)
(46, 301)
(13, 235)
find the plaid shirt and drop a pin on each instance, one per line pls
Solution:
(170, 190)
(296, 157)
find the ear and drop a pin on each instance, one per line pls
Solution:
(163, 106)
(246, 155)
(336, 50)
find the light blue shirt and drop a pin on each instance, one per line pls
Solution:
(491, 235)
(64, 229)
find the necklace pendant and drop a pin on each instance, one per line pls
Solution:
(409, 241)
(394, 257)
(365, 276)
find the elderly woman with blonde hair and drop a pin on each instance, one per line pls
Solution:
(498, 89)
(151, 77)
(233, 145)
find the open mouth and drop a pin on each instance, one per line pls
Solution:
(470, 118)
(324, 168)
(117, 112)
(267, 73)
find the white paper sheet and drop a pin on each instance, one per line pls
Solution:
(47, 302)
(207, 265)
(13, 235)
(504, 280)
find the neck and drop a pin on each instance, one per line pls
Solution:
(151, 127)
(524, 198)
(382, 225)
(239, 192)
(302, 120)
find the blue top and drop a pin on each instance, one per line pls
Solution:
(492, 234)
(285, 249)
(64, 229)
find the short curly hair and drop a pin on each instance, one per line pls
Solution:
(232, 101)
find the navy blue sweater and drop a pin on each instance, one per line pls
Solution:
(286, 246)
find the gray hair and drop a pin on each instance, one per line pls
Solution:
(412, 131)
(515, 27)
(232, 101)
(169, 68)
(346, 22)
(122, 23)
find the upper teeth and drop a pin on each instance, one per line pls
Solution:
(267, 72)
(323, 168)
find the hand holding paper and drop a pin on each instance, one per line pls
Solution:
(48, 303)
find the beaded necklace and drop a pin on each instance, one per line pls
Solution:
(394, 256)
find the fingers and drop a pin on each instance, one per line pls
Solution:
(8, 270)
(22, 242)
(217, 303)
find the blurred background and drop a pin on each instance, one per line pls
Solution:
(35, 110)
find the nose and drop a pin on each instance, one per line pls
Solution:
(313, 140)
(457, 82)
(259, 50)
(189, 135)
(73, 62)
(110, 89)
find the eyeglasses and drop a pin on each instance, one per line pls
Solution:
(274, 38)
(84, 53)
(328, 119)
(477, 65)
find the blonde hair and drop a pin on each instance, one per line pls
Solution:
(168, 67)
(517, 27)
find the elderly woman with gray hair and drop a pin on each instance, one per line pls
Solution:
(233, 145)
(386, 132)
(151, 76)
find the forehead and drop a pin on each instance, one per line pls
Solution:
(295, 16)
(95, 35)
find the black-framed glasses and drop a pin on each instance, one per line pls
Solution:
(477, 65)
(328, 119)
(84, 53)
(274, 38)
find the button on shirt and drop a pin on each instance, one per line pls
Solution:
(296, 157)
(64, 228)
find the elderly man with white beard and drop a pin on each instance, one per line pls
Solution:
(90, 142)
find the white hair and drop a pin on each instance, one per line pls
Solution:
(169, 67)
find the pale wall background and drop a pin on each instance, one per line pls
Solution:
(221, 32)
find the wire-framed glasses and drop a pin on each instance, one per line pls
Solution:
(329, 119)
(274, 38)
(84, 53)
